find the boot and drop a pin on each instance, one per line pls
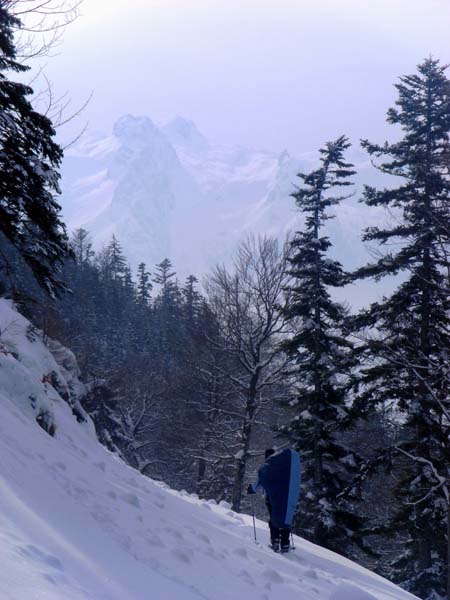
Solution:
(276, 544)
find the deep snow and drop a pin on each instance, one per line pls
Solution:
(76, 523)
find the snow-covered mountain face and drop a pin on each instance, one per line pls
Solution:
(167, 192)
(76, 523)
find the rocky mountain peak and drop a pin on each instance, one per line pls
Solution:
(183, 133)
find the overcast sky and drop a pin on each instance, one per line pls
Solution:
(269, 74)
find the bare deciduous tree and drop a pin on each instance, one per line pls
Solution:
(41, 24)
(247, 304)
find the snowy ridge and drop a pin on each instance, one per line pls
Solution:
(77, 524)
(168, 192)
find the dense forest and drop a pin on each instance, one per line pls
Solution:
(190, 381)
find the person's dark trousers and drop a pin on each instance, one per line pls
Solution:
(274, 531)
(279, 536)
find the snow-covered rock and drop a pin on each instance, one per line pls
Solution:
(183, 133)
(76, 523)
(37, 376)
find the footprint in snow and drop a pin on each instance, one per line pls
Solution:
(100, 465)
(56, 580)
(243, 574)
(241, 552)
(182, 555)
(154, 540)
(174, 533)
(79, 493)
(126, 542)
(272, 576)
(311, 574)
(112, 494)
(79, 451)
(218, 555)
(102, 516)
(132, 500)
(38, 555)
(204, 538)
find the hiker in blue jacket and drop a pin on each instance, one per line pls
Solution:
(280, 478)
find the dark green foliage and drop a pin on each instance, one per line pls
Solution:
(29, 162)
(144, 286)
(143, 356)
(321, 360)
(407, 353)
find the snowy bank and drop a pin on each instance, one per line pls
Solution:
(77, 523)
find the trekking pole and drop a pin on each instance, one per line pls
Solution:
(253, 515)
(292, 539)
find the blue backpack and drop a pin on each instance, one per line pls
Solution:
(280, 477)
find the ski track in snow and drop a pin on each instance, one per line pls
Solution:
(76, 523)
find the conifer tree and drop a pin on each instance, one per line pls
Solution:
(81, 245)
(164, 274)
(116, 302)
(117, 261)
(144, 286)
(29, 162)
(408, 350)
(167, 312)
(320, 358)
(192, 303)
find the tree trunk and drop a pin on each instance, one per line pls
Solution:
(241, 462)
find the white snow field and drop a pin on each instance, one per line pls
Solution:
(76, 523)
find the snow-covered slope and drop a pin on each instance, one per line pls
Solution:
(168, 192)
(78, 524)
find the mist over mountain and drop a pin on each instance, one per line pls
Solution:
(168, 192)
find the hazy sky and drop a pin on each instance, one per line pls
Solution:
(272, 74)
